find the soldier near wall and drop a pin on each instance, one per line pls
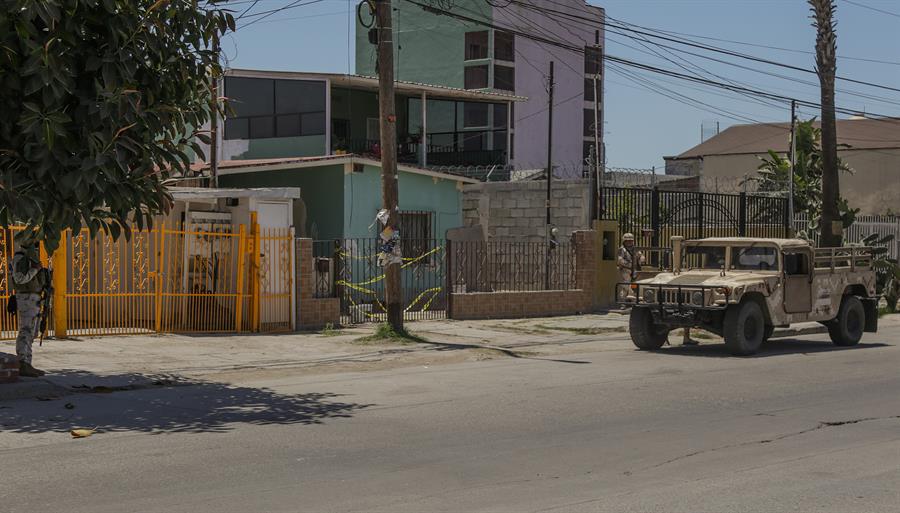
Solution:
(629, 260)
(29, 281)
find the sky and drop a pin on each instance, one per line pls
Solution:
(642, 125)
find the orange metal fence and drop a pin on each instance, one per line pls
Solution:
(189, 278)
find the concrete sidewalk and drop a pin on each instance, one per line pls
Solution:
(104, 364)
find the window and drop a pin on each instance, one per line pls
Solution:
(588, 151)
(476, 77)
(504, 78)
(500, 115)
(593, 56)
(705, 257)
(754, 259)
(476, 45)
(589, 89)
(473, 141)
(262, 108)
(373, 129)
(504, 46)
(475, 115)
(589, 122)
(416, 234)
(796, 264)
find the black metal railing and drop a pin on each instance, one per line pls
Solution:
(437, 155)
(323, 275)
(498, 266)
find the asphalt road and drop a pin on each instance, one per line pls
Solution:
(803, 427)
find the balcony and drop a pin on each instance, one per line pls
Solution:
(410, 153)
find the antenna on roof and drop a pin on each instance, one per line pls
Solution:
(708, 128)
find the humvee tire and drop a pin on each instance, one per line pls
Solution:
(770, 330)
(645, 334)
(847, 328)
(745, 328)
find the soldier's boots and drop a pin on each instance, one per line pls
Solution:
(28, 371)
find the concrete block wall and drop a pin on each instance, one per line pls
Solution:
(517, 210)
(543, 303)
(312, 313)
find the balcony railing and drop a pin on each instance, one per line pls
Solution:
(409, 153)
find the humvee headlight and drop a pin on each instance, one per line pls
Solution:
(725, 291)
(697, 298)
(649, 296)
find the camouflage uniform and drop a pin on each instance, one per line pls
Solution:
(628, 261)
(28, 281)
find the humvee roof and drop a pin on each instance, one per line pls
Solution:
(781, 243)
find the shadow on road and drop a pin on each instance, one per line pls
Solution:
(779, 347)
(138, 403)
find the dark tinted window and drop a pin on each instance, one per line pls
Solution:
(473, 141)
(261, 128)
(287, 125)
(795, 264)
(237, 128)
(589, 122)
(504, 48)
(476, 77)
(476, 45)
(504, 78)
(295, 96)
(592, 57)
(250, 96)
(500, 115)
(475, 114)
(312, 123)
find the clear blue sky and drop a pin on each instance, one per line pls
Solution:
(641, 126)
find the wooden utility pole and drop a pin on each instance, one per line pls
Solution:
(549, 173)
(831, 229)
(595, 192)
(388, 140)
(214, 119)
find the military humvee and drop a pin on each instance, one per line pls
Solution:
(743, 288)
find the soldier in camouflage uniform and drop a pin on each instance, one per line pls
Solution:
(29, 279)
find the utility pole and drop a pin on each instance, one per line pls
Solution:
(388, 141)
(214, 120)
(793, 165)
(595, 193)
(549, 173)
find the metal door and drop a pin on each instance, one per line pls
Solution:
(797, 282)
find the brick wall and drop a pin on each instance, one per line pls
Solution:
(544, 303)
(9, 368)
(312, 312)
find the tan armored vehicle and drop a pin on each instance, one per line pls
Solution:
(743, 288)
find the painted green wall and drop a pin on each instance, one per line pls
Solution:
(320, 188)
(428, 48)
(275, 147)
(362, 195)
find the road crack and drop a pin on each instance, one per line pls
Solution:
(821, 425)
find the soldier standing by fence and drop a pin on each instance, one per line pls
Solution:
(29, 279)
(629, 260)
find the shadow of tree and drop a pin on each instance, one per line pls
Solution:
(779, 347)
(152, 404)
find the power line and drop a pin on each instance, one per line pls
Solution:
(265, 14)
(697, 45)
(882, 11)
(247, 10)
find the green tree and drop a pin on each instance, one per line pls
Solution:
(774, 173)
(101, 100)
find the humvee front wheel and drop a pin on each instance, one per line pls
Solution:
(745, 328)
(847, 327)
(646, 334)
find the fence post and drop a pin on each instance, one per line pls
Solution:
(700, 220)
(448, 270)
(60, 311)
(159, 273)
(654, 216)
(254, 272)
(239, 305)
(742, 214)
(787, 218)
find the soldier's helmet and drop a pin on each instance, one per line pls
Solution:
(628, 236)
(27, 244)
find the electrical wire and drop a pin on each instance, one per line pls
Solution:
(882, 11)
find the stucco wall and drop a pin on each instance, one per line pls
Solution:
(874, 187)
(516, 210)
(274, 147)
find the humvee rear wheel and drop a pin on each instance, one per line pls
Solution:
(646, 334)
(745, 328)
(847, 327)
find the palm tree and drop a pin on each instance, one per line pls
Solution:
(826, 65)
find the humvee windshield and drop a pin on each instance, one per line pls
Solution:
(704, 257)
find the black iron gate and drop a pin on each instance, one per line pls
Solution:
(657, 214)
(359, 280)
